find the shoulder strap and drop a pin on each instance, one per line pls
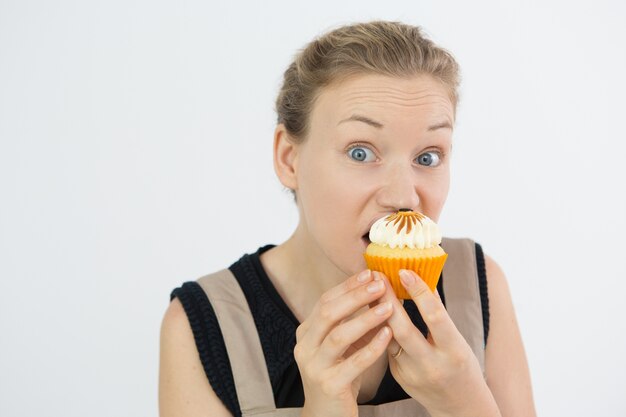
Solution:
(252, 381)
(462, 293)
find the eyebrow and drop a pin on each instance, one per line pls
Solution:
(441, 125)
(364, 119)
(378, 125)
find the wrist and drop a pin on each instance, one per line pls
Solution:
(481, 405)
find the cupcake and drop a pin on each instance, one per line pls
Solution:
(406, 240)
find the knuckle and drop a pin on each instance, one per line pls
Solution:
(441, 374)
(362, 358)
(336, 339)
(300, 332)
(437, 316)
(418, 291)
(325, 298)
(460, 358)
(298, 353)
(402, 333)
(299, 335)
(326, 313)
(374, 350)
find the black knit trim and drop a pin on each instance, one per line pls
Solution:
(209, 342)
(269, 288)
(275, 323)
(482, 284)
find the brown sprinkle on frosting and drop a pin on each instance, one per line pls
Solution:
(405, 219)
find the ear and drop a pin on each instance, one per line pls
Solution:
(285, 157)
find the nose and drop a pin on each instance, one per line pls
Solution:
(399, 190)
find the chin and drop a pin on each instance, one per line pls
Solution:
(350, 262)
(358, 264)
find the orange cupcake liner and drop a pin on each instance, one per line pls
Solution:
(429, 269)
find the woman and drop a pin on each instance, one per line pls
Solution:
(365, 120)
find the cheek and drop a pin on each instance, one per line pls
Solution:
(325, 178)
(332, 199)
(331, 194)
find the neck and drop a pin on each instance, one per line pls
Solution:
(301, 272)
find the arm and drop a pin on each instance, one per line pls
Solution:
(507, 371)
(184, 389)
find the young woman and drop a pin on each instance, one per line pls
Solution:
(365, 121)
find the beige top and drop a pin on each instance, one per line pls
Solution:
(250, 375)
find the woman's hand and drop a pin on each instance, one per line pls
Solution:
(440, 371)
(334, 346)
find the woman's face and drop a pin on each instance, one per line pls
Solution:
(375, 144)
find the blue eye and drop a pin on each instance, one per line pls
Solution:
(430, 159)
(361, 153)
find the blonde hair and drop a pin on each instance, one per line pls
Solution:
(380, 47)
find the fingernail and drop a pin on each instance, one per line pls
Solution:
(383, 333)
(377, 276)
(364, 276)
(406, 277)
(382, 309)
(375, 287)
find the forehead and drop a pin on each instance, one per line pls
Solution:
(389, 100)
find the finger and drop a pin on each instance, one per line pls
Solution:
(365, 357)
(393, 348)
(433, 312)
(346, 286)
(343, 336)
(404, 331)
(378, 276)
(332, 312)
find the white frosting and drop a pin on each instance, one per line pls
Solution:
(424, 233)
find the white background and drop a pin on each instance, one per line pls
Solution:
(135, 155)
